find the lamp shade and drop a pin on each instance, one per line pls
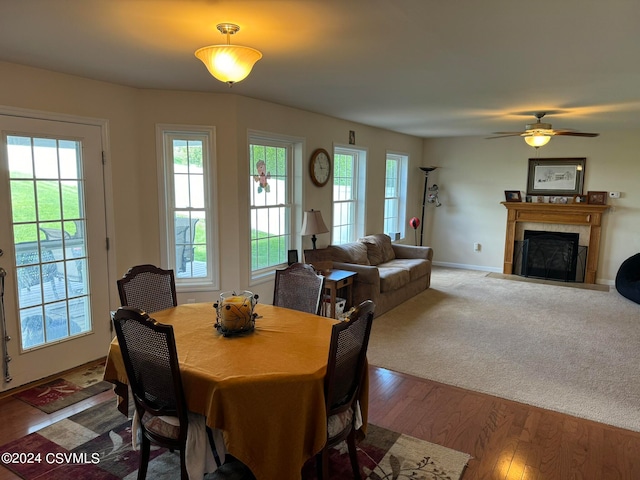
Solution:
(537, 139)
(229, 63)
(312, 223)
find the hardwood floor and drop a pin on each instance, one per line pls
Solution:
(508, 440)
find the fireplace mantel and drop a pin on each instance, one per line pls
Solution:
(559, 214)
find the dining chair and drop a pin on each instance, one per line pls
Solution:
(151, 362)
(299, 287)
(345, 370)
(148, 288)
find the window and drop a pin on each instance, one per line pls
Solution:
(349, 171)
(188, 216)
(395, 191)
(270, 187)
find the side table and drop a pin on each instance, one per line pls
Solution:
(335, 280)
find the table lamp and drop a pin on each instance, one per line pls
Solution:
(312, 224)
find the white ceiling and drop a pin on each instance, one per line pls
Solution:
(422, 67)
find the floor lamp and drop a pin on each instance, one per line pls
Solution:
(427, 171)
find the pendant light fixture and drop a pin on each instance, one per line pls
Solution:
(228, 63)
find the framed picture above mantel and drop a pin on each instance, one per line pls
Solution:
(556, 176)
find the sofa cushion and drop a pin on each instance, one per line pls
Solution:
(354, 252)
(417, 267)
(379, 249)
(393, 278)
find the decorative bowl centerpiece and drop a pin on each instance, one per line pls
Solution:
(235, 313)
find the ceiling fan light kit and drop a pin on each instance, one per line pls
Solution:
(538, 134)
(228, 63)
(537, 140)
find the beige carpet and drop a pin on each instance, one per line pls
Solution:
(566, 349)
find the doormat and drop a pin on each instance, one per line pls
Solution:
(102, 436)
(66, 390)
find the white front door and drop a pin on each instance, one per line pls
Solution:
(55, 295)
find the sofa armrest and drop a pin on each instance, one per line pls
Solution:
(411, 251)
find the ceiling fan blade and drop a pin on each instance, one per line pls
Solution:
(576, 134)
(508, 133)
(505, 135)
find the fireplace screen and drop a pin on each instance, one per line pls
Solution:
(551, 256)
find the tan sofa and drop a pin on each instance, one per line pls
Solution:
(388, 273)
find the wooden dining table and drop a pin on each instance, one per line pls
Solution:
(264, 390)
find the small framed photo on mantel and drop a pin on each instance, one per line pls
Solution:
(512, 195)
(597, 198)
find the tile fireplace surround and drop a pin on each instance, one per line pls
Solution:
(582, 218)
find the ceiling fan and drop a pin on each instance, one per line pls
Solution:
(538, 134)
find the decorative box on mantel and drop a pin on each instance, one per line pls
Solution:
(569, 217)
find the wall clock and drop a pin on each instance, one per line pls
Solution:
(320, 167)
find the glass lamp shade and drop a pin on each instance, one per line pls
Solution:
(229, 63)
(537, 140)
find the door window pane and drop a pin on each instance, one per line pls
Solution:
(48, 226)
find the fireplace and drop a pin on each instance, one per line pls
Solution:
(585, 219)
(551, 256)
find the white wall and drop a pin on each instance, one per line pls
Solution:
(234, 116)
(132, 115)
(473, 174)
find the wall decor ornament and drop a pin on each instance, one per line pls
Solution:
(556, 176)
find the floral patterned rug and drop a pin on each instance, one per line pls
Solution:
(96, 444)
(66, 390)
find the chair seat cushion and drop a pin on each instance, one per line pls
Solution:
(168, 427)
(336, 424)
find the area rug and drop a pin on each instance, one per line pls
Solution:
(568, 350)
(96, 444)
(66, 390)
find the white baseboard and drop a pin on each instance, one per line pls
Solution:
(483, 268)
(462, 266)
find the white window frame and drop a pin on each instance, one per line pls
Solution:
(165, 134)
(357, 200)
(293, 146)
(399, 213)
